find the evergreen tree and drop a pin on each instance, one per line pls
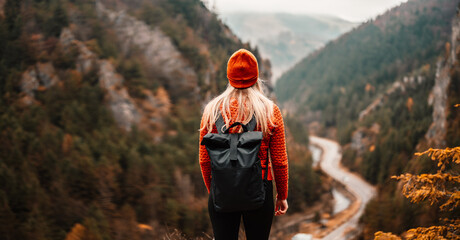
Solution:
(59, 20)
(12, 10)
(440, 188)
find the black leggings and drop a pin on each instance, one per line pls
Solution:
(257, 223)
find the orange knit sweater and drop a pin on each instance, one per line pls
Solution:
(275, 142)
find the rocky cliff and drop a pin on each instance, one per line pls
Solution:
(436, 134)
(147, 114)
(159, 57)
(157, 49)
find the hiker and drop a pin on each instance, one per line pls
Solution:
(240, 104)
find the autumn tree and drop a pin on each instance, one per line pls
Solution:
(441, 188)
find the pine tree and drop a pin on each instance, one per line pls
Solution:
(13, 21)
(440, 188)
(57, 21)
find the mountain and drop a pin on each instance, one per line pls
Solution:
(285, 38)
(385, 91)
(100, 105)
(358, 67)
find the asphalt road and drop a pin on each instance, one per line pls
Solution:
(356, 185)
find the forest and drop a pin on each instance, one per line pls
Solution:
(70, 163)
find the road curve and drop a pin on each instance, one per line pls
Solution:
(362, 190)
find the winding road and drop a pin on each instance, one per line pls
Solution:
(363, 191)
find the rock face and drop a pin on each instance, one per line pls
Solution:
(86, 60)
(364, 138)
(435, 135)
(38, 77)
(438, 97)
(119, 101)
(148, 114)
(157, 49)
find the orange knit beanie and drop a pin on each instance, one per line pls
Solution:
(242, 69)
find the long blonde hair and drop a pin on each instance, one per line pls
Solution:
(251, 101)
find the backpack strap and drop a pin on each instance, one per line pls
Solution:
(220, 123)
(252, 124)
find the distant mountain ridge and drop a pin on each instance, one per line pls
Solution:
(285, 38)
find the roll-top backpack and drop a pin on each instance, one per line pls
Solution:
(236, 171)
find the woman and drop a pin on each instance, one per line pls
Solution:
(242, 99)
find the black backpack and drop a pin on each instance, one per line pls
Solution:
(236, 183)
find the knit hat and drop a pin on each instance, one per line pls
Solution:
(242, 69)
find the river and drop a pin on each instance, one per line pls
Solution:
(340, 201)
(362, 190)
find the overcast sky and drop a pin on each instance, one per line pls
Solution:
(352, 10)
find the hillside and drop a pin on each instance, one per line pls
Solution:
(375, 54)
(385, 90)
(100, 105)
(442, 131)
(285, 38)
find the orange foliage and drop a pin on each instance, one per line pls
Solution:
(409, 104)
(426, 68)
(75, 75)
(447, 47)
(441, 187)
(36, 37)
(448, 231)
(67, 143)
(144, 227)
(372, 148)
(431, 187)
(443, 156)
(369, 87)
(77, 232)
(386, 236)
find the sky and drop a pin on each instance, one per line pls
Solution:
(351, 10)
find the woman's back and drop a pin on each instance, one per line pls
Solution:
(240, 102)
(273, 141)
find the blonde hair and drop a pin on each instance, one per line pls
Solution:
(251, 101)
